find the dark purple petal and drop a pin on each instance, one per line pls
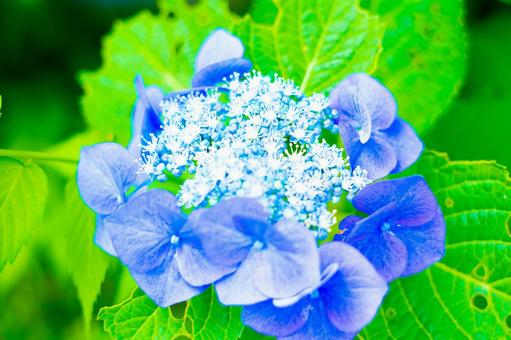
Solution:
(405, 143)
(318, 326)
(165, 286)
(425, 244)
(376, 156)
(141, 230)
(375, 97)
(267, 319)
(102, 237)
(289, 263)
(240, 288)
(383, 249)
(223, 240)
(218, 46)
(215, 73)
(105, 172)
(146, 115)
(196, 269)
(353, 295)
(415, 203)
(346, 226)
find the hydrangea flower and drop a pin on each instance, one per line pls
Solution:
(273, 260)
(105, 174)
(153, 239)
(342, 303)
(220, 56)
(405, 230)
(375, 138)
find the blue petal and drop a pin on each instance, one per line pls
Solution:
(218, 46)
(146, 116)
(318, 326)
(414, 201)
(405, 142)
(425, 244)
(353, 295)
(290, 261)
(165, 286)
(102, 237)
(105, 172)
(195, 268)
(346, 226)
(383, 249)
(225, 241)
(375, 97)
(141, 230)
(267, 319)
(240, 287)
(376, 156)
(215, 73)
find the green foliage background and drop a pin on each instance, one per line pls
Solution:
(66, 80)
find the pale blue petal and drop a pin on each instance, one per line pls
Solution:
(102, 237)
(215, 73)
(105, 172)
(218, 46)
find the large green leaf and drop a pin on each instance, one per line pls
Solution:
(87, 263)
(203, 319)
(23, 193)
(424, 55)
(316, 43)
(160, 47)
(468, 293)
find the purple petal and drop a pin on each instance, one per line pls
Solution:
(218, 46)
(223, 240)
(146, 115)
(105, 172)
(102, 237)
(353, 295)
(376, 156)
(414, 201)
(405, 142)
(240, 287)
(373, 95)
(318, 326)
(165, 286)
(141, 230)
(215, 73)
(383, 249)
(267, 319)
(195, 268)
(290, 261)
(346, 226)
(351, 104)
(425, 244)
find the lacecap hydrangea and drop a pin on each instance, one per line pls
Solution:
(255, 183)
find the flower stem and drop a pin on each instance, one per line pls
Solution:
(37, 156)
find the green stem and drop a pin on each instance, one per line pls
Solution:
(37, 156)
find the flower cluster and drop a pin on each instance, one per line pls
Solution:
(261, 138)
(257, 179)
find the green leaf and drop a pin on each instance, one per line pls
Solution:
(160, 48)
(201, 318)
(468, 293)
(424, 55)
(23, 193)
(87, 262)
(316, 43)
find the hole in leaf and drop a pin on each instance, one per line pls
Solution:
(479, 301)
(178, 310)
(508, 225)
(189, 325)
(507, 321)
(480, 271)
(449, 202)
(390, 313)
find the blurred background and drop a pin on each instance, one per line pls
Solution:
(45, 43)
